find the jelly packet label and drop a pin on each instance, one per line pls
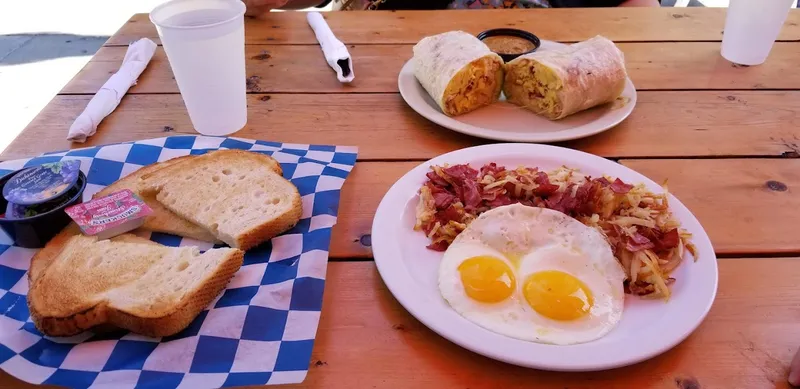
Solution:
(109, 212)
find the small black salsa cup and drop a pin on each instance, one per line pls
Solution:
(515, 33)
(35, 231)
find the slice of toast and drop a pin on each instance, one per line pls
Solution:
(240, 196)
(162, 219)
(127, 282)
(44, 257)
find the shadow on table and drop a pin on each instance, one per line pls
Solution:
(18, 49)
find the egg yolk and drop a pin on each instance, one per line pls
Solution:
(487, 279)
(557, 295)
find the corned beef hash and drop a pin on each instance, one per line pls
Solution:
(645, 238)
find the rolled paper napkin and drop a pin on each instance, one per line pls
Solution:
(335, 51)
(110, 94)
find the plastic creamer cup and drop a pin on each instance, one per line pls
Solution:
(751, 27)
(204, 42)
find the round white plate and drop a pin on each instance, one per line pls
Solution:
(647, 328)
(508, 122)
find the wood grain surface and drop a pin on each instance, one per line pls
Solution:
(362, 323)
(367, 340)
(728, 196)
(726, 137)
(663, 124)
(302, 69)
(566, 25)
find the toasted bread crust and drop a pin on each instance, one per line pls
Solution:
(89, 315)
(163, 220)
(42, 259)
(273, 164)
(168, 320)
(267, 231)
(183, 315)
(113, 187)
(153, 182)
(70, 325)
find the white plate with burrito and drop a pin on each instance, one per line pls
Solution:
(508, 122)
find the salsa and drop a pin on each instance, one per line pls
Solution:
(508, 44)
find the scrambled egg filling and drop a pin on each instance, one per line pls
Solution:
(477, 85)
(541, 85)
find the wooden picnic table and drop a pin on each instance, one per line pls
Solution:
(726, 136)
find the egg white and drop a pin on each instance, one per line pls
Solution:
(604, 280)
(530, 240)
(499, 317)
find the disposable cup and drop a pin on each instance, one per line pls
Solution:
(751, 27)
(204, 42)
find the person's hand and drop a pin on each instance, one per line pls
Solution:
(794, 370)
(260, 7)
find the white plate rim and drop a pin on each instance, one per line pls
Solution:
(436, 116)
(396, 276)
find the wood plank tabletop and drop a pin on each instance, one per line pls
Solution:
(745, 342)
(711, 188)
(664, 124)
(726, 138)
(618, 24)
(367, 340)
(295, 69)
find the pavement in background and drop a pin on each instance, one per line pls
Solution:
(44, 43)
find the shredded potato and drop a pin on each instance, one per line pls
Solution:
(645, 237)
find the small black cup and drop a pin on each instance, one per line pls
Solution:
(34, 232)
(512, 32)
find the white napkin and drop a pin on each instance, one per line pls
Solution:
(335, 51)
(110, 94)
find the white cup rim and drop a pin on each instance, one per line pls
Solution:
(238, 4)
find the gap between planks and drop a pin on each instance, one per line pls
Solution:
(397, 93)
(727, 257)
(618, 24)
(302, 69)
(407, 44)
(702, 125)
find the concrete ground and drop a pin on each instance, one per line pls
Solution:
(44, 43)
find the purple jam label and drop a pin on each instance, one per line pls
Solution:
(16, 211)
(42, 183)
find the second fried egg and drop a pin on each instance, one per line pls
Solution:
(534, 274)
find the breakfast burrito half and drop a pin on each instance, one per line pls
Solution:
(458, 71)
(558, 83)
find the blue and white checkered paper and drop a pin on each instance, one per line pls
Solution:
(259, 331)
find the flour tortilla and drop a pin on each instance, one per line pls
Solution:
(456, 66)
(582, 76)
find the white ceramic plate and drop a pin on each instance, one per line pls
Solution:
(508, 122)
(647, 328)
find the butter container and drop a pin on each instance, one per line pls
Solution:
(34, 200)
(42, 188)
(111, 215)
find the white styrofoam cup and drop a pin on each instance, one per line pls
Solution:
(751, 27)
(204, 42)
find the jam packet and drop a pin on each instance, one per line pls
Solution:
(111, 215)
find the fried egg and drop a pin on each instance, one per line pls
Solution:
(534, 274)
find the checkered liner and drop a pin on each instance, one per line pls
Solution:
(259, 331)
